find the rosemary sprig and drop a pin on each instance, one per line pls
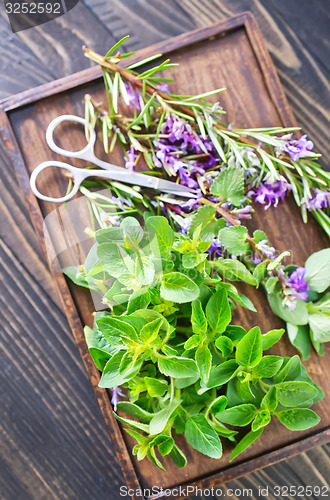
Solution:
(274, 163)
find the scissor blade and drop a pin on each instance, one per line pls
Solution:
(178, 189)
(144, 180)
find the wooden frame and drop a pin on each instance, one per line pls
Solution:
(13, 103)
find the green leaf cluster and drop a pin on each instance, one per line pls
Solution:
(168, 341)
(308, 322)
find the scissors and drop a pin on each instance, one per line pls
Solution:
(113, 172)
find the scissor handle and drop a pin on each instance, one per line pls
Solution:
(87, 153)
(78, 176)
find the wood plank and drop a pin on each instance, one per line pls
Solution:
(313, 105)
(61, 41)
(54, 441)
(16, 229)
(234, 48)
(20, 68)
(300, 54)
(146, 22)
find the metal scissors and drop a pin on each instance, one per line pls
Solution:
(113, 172)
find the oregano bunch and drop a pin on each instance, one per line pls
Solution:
(166, 343)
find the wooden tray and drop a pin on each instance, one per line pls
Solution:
(230, 54)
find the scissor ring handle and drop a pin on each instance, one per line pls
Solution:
(84, 153)
(78, 177)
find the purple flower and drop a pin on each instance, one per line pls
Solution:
(133, 97)
(270, 192)
(290, 302)
(295, 287)
(298, 148)
(265, 249)
(166, 157)
(163, 87)
(256, 259)
(186, 179)
(215, 248)
(319, 200)
(177, 142)
(130, 158)
(297, 283)
(192, 203)
(185, 225)
(120, 202)
(243, 213)
(116, 391)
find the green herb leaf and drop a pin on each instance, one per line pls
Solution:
(133, 423)
(190, 260)
(271, 283)
(114, 329)
(111, 376)
(295, 393)
(115, 47)
(181, 383)
(217, 405)
(218, 311)
(135, 411)
(151, 454)
(268, 367)
(140, 299)
(245, 443)
(259, 236)
(198, 319)
(229, 185)
(149, 332)
(109, 235)
(298, 316)
(155, 387)
(204, 360)
(299, 338)
(160, 419)
(174, 366)
(178, 457)
(291, 371)
(202, 437)
(318, 270)
(164, 444)
(233, 270)
(259, 272)
(262, 419)
(269, 401)
(249, 349)
(145, 269)
(238, 415)
(205, 216)
(320, 325)
(239, 298)
(222, 373)
(114, 259)
(77, 277)
(276, 262)
(270, 338)
(233, 238)
(164, 234)
(178, 288)
(225, 345)
(298, 419)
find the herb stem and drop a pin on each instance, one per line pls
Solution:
(228, 216)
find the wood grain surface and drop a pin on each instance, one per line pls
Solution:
(54, 443)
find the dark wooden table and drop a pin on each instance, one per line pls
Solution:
(53, 441)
